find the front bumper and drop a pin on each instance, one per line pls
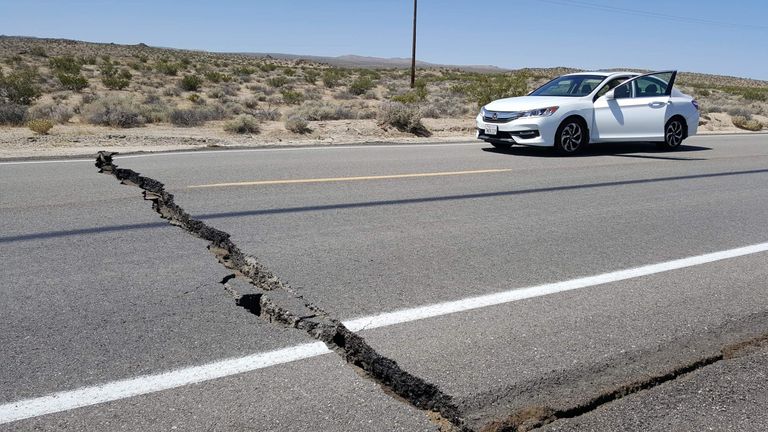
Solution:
(531, 131)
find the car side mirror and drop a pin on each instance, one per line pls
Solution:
(609, 95)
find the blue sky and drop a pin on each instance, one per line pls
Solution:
(692, 35)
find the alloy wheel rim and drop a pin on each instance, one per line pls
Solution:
(571, 137)
(674, 134)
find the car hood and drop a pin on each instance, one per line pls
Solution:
(524, 103)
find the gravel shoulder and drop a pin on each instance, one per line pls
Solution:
(85, 140)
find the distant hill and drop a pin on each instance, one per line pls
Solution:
(355, 61)
(10, 45)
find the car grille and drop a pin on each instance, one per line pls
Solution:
(500, 116)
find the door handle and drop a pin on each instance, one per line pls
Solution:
(658, 104)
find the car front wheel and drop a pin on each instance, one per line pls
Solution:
(571, 137)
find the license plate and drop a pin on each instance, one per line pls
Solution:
(491, 129)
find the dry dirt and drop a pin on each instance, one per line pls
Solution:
(86, 140)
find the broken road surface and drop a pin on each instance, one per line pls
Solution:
(360, 248)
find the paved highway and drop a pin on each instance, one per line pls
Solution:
(100, 294)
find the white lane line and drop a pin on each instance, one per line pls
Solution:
(112, 391)
(440, 309)
(67, 400)
(250, 150)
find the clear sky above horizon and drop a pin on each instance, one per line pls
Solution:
(699, 36)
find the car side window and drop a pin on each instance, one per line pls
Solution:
(652, 85)
(610, 85)
(623, 91)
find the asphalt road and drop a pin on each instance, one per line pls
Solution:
(96, 288)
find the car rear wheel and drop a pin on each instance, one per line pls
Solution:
(673, 134)
(571, 137)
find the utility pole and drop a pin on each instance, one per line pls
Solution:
(413, 53)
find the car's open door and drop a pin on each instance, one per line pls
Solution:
(636, 109)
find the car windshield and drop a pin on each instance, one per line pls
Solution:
(569, 85)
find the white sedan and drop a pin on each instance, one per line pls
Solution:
(575, 109)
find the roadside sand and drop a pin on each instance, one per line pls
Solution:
(81, 140)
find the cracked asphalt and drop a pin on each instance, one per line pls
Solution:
(97, 288)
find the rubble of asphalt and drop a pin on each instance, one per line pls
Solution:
(277, 302)
(522, 407)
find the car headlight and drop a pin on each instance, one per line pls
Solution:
(483, 112)
(539, 112)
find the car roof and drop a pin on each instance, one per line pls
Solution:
(604, 73)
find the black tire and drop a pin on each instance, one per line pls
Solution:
(501, 145)
(571, 137)
(674, 134)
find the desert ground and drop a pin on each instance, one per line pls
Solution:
(66, 98)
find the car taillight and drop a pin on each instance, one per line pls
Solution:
(695, 104)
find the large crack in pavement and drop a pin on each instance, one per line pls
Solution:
(569, 394)
(561, 395)
(278, 303)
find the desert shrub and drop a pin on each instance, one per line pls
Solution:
(756, 94)
(75, 82)
(321, 110)
(87, 60)
(51, 111)
(113, 77)
(217, 77)
(742, 122)
(115, 111)
(165, 68)
(243, 70)
(713, 109)
(292, 97)
(12, 114)
(332, 77)
(172, 91)
(362, 84)
(38, 51)
(405, 118)
(418, 94)
(221, 91)
(313, 93)
(311, 76)
(740, 112)
(188, 117)
(267, 114)
(267, 67)
(197, 116)
(297, 124)
(343, 95)
(251, 103)
(196, 99)
(243, 124)
(154, 109)
(759, 95)
(19, 87)
(277, 81)
(482, 89)
(65, 64)
(13, 60)
(191, 83)
(445, 108)
(119, 82)
(40, 126)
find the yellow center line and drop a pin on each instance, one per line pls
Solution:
(341, 179)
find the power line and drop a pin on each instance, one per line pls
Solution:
(650, 14)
